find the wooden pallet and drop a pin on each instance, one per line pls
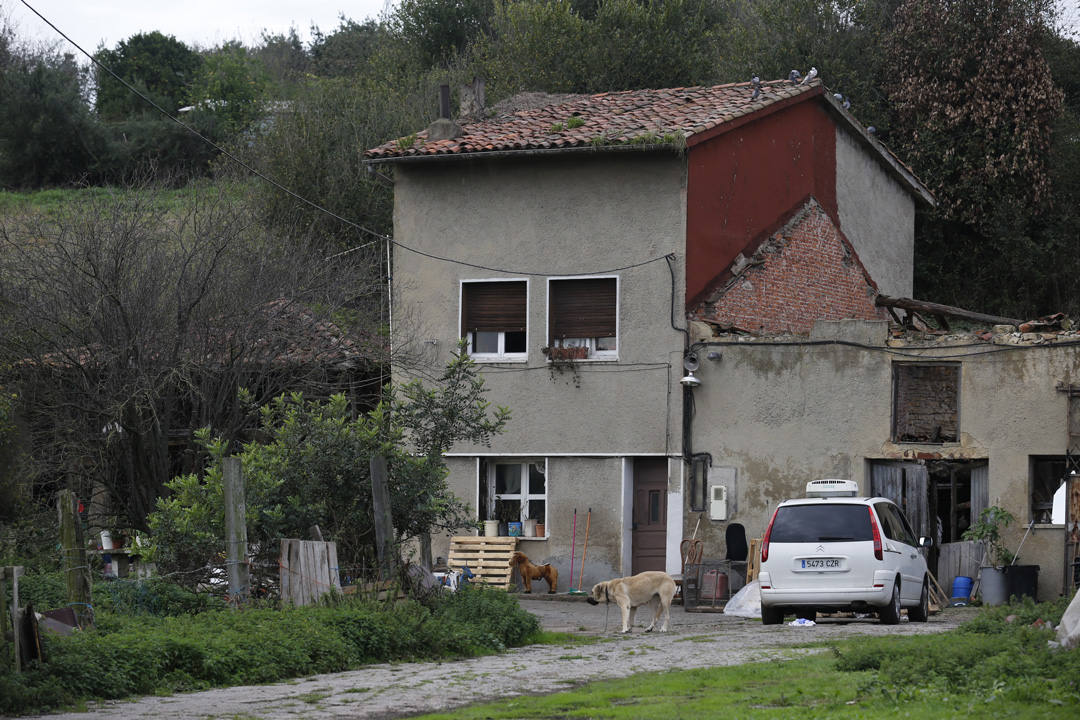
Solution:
(487, 557)
(753, 560)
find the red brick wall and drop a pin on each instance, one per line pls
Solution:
(804, 272)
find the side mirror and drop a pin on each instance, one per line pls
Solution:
(926, 542)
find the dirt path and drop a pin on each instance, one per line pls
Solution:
(395, 690)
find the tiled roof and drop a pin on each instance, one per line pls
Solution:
(647, 117)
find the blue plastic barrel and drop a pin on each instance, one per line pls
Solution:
(961, 587)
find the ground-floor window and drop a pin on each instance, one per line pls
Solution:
(513, 490)
(1048, 489)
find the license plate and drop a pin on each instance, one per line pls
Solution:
(821, 563)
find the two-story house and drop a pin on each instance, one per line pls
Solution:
(587, 248)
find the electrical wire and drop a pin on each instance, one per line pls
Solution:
(202, 137)
(262, 176)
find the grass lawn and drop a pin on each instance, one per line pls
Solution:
(989, 668)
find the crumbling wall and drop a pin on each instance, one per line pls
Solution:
(804, 273)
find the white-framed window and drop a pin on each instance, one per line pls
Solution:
(494, 319)
(583, 312)
(514, 490)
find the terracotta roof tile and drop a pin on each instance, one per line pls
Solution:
(632, 116)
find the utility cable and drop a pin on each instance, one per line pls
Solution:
(202, 137)
(257, 173)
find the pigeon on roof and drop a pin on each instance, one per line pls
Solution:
(809, 76)
(794, 76)
(756, 83)
(847, 104)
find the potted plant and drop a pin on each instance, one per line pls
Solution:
(993, 585)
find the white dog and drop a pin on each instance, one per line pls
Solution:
(653, 587)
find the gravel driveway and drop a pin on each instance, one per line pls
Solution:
(394, 690)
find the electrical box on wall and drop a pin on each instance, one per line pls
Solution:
(718, 502)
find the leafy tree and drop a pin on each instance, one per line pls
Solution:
(975, 101)
(317, 147)
(974, 104)
(348, 49)
(47, 134)
(547, 45)
(312, 467)
(439, 30)
(158, 65)
(229, 90)
(126, 322)
(284, 60)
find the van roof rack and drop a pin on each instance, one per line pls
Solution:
(832, 488)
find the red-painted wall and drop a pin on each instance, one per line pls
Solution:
(744, 183)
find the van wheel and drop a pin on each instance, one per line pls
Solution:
(922, 612)
(771, 615)
(890, 614)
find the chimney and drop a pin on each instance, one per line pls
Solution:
(444, 128)
(472, 100)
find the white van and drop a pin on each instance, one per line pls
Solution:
(832, 551)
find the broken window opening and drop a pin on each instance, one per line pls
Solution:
(926, 403)
(1048, 489)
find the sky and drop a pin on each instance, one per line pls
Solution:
(204, 23)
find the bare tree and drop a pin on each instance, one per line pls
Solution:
(128, 321)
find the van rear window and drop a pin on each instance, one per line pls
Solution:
(821, 523)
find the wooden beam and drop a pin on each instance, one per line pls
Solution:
(935, 309)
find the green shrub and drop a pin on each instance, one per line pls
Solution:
(151, 597)
(989, 656)
(175, 650)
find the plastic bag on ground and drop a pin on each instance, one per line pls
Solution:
(802, 622)
(1068, 632)
(746, 603)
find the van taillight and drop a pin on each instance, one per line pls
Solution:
(765, 539)
(877, 534)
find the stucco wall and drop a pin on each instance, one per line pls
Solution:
(573, 483)
(553, 217)
(877, 215)
(779, 416)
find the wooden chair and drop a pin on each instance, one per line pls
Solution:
(690, 550)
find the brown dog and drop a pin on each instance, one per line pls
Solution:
(530, 572)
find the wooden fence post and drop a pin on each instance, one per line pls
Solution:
(4, 654)
(236, 530)
(384, 520)
(13, 615)
(73, 550)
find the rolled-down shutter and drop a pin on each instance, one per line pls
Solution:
(583, 308)
(493, 306)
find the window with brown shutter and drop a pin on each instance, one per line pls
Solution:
(583, 311)
(493, 316)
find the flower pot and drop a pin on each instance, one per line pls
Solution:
(541, 531)
(502, 529)
(529, 529)
(491, 528)
(993, 586)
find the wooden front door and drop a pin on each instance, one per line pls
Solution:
(649, 533)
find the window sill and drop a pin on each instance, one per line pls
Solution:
(612, 359)
(491, 359)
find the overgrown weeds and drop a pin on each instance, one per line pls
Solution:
(152, 642)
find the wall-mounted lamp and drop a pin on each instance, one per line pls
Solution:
(690, 362)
